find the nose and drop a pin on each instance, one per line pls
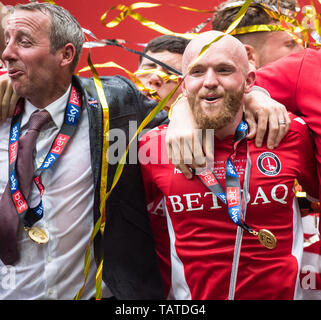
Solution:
(155, 80)
(210, 79)
(8, 53)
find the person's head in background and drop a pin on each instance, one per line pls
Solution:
(262, 47)
(169, 50)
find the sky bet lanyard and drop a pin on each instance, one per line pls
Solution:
(27, 215)
(232, 196)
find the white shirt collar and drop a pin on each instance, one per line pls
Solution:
(56, 109)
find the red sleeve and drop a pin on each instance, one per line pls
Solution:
(295, 81)
(307, 175)
(155, 202)
(280, 79)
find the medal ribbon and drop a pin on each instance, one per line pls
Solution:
(28, 215)
(232, 195)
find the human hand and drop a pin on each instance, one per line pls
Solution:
(8, 98)
(262, 113)
(188, 147)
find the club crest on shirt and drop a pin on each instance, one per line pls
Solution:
(269, 164)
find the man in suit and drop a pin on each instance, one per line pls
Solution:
(43, 47)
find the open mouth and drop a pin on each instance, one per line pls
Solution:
(211, 98)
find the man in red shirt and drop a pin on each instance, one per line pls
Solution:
(259, 30)
(202, 253)
(295, 82)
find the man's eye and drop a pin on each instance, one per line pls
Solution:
(290, 44)
(224, 70)
(148, 67)
(195, 72)
(24, 42)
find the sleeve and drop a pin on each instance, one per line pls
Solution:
(148, 105)
(295, 81)
(307, 175)
(280, 79)
(156, 212)
(145, 105)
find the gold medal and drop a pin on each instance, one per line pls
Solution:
(37, 235)
(267, 238)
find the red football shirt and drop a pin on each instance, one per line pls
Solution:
(195, 237)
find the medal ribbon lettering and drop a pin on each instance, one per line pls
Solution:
(232, 195)
(28, 216)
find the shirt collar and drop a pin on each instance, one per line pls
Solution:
(56, 109)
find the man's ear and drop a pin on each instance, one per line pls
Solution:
(67, 54)
(249, 81)
(181, 79)
(251, 55)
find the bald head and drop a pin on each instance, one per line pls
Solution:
(215, 81)
(226, 44)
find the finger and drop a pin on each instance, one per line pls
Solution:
(186, 152)
(249, 117)
(284, 128)
(175, 155)
(260, 130)
(208, 147)
(274, 127)
(169, 146)
(169, 150)
(185, 170)
(180, 154)
(181, 157)
(197, 152)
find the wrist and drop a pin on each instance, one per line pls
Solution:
(257, 88)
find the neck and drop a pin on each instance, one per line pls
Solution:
(42, 100)
(231, 127)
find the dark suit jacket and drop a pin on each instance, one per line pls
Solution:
(130, 266)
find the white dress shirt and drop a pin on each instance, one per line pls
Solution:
(54, 270)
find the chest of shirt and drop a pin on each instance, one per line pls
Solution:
(73, 162)
(271, 180)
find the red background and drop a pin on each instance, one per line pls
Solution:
(88, 13)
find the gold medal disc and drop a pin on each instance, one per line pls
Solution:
(267, 238)
(37, 235)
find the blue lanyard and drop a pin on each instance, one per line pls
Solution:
(71, 118)
(232, 195)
